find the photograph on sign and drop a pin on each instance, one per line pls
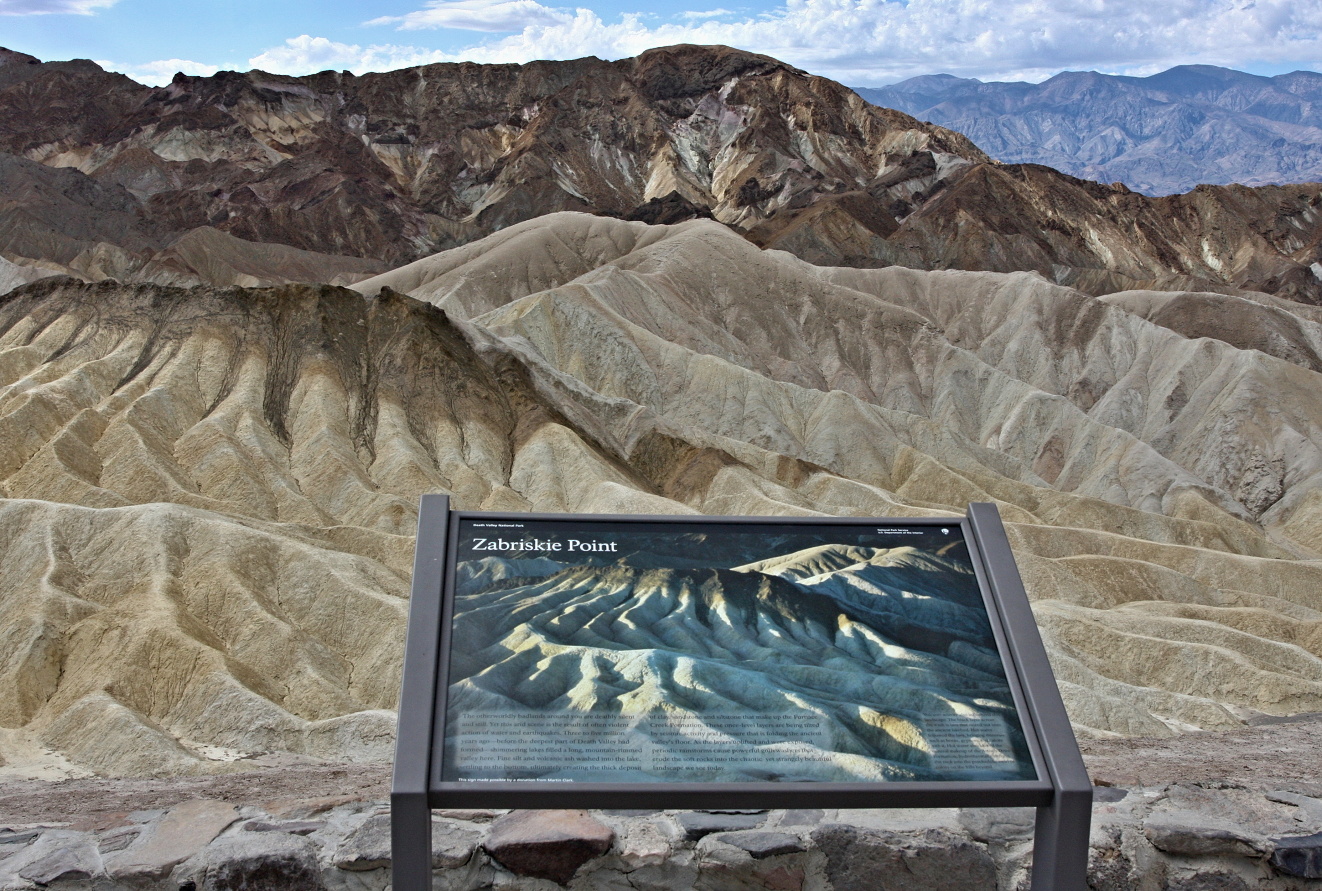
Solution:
(709, 652)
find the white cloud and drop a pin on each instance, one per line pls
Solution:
(306, 54)
(869, 42)
(53, 7)
(160, 72)
(478, 15)
(698, 15)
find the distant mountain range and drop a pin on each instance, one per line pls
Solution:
(1160, 135)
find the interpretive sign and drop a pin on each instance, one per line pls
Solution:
(589, 661)
(700, 652)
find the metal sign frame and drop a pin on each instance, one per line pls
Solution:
(1062, 794)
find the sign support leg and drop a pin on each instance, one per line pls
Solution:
(1060, 842)
(410, 842)
(410, 811)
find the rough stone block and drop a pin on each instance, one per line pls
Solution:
(1193, 834)
(368, 846)
(118, 839)
(256, 862)
(24, 837)
(1109, 865)
(874, 860)
(296, 827)
(644, 843)
(1000, 824)
(184, 831)
(547, 844)
(73, 859)
(452, 844)
(700, 823)
(790, 877)
(763, 844)
(1108, 794)
(1219, 820)
(1298, 856)
(1310, 808)
(1214, 880)
(802, 817)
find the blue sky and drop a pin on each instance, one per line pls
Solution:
(858, 42)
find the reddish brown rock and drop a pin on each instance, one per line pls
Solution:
(547, 844)
(215, 179)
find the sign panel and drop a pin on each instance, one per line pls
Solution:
(694, 651)
(700, 662)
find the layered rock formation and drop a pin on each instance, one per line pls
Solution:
(1161, 134)
(56, 220)
(208, 493)
(103, 177)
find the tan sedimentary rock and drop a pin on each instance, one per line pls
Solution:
(208, 493)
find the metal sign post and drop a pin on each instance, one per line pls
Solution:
(547, 658)
(1060, 838)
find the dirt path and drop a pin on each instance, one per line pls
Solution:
(1285, 755)
(1268, 756)
(276, 790)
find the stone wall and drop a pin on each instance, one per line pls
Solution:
(1191, 837)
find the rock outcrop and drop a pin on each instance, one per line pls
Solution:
(209, 493)
(106, 178)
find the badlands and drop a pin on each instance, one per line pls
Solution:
(246, 320)
(209, 492)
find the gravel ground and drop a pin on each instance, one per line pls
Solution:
(1283, 754)
(277, 790)
(1271, 755)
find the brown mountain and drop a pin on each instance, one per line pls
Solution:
(101, 175)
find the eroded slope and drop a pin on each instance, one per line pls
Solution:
(209, 493)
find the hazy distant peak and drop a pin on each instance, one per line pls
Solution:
(1161, 134)
(1194, 79)
(927, 81)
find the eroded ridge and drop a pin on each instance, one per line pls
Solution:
(209, 493)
